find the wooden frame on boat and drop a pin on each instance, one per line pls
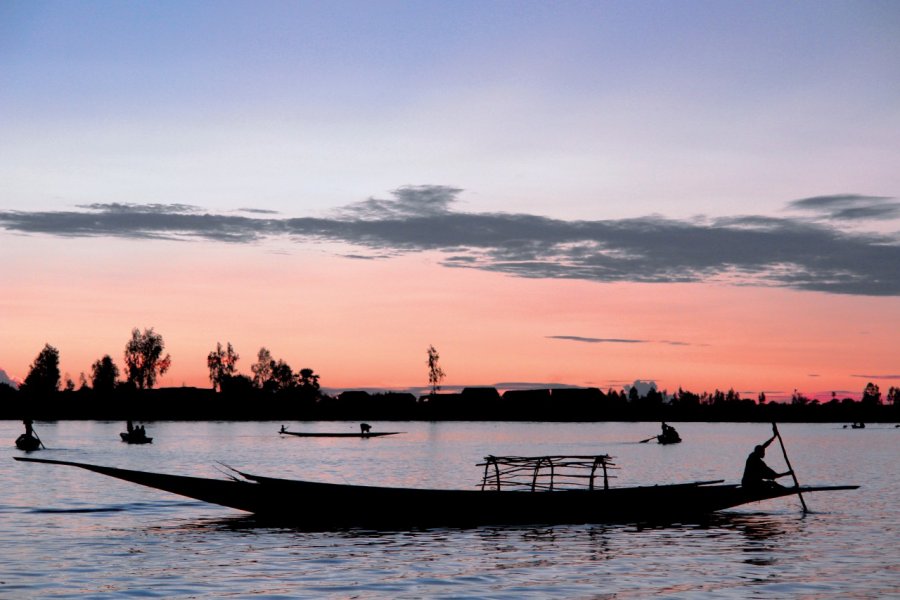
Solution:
(549, 473)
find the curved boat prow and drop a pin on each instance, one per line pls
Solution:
(232, 493)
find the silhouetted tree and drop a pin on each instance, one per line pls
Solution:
(143, 358)
(282, 376)
(308, 380)
(871, 395)
(69, 385)
(221, 363)
(43, 377)
(685, 398)
(893, 396)
(262, 368)
(237, 385)
(104, 374)
(435, 372)
(798, 399)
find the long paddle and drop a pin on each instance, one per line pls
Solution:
(34, 433)
(647, 440)
(788, 463)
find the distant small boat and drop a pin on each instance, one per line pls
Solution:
(134, 437)
(336, 434)
(859, 425)
(668, 439)
(28, 443)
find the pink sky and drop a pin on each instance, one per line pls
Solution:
(367, 323)
(640, 190)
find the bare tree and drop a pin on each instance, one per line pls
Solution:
(435, 372)
(262, 368)
(221, 363)
(143, 358)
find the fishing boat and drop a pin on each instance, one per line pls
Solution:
(28, 443)
(668, 438)
(542, 490)
(367, 434)
(135, 437)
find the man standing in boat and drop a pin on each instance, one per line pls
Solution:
(756, 472)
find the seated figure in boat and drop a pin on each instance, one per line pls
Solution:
(28, 440)
(669, 434)
(365, 428)
(757, 473)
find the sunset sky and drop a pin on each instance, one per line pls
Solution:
(696, 194)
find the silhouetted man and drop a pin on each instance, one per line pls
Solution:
(756, 472)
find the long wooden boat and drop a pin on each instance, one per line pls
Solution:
(342, 435)
(315, 505)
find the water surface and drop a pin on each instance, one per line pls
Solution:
(67, 533)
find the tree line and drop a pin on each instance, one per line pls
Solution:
(273, 390)
(144, 363)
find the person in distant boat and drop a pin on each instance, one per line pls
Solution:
(756, 472)
(668, 431)
(29, 427)
(129, 426)
(365, 428)
(283, 429)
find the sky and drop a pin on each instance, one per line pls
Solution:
(702, 195)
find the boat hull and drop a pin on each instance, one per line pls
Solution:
(325, 505)
(27, 443)
(130, 438)
(340, 435)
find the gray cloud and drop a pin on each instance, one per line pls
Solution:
(850, 207)
(593, 340)
(5, 378)
(258, 211)
(744, 250)
(874, 377)
(407, 201)
(590, 340)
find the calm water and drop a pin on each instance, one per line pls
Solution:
(68, 533)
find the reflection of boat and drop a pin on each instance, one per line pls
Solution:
(350, 435)
(541, 499)
(135, 437)
(28, 443)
